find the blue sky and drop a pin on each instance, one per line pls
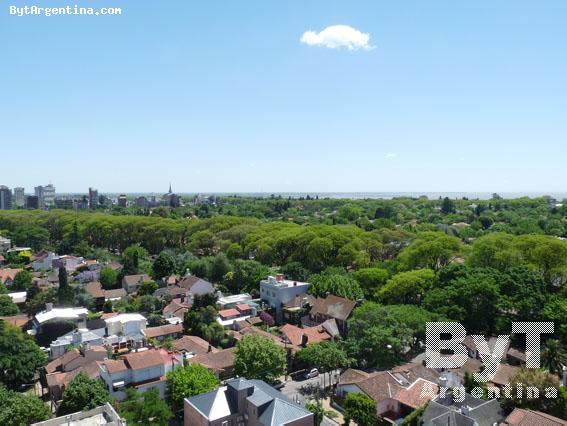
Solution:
(223, 96)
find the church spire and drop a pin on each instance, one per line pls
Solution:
(170, 187)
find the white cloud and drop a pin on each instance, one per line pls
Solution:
(337, 36)
(391, 155)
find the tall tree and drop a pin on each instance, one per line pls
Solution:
(20, 357)
(259, 358)
(21, 409)
(187, 381)
(145, 408)
(163, 266)
(22, 280)
(360, 408)
(82, 394)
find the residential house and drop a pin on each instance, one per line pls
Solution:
(43, 261)
(277, 291)
(57, 374)
(172, 331)
(478, 353)
(131, 283)
(521, 417)
(516, 357)
(443, 411)
(103, 415)
(226, 302)
(5, 244)
(7, 275)
(196, 286)
(142, 370)
(301, 337)
(77, 337)
(100, 295)
(125, 331)
(21, 320)
(19, 298)
(192, 346)
(70, 263)
(229, 317)
(175, 311)
(397, 392)
(245, 403)
(51, 314)
(220, 362)
(331, 307)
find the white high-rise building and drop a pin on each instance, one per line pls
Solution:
(19, 197)
(45, 195)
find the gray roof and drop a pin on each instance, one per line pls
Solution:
(275, 408)
(478, 413)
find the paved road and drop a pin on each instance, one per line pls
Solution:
(301, 390)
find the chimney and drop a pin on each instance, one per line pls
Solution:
(304, 339)
(295, 283)
(279, 278)
(182, 298)
(209, 349)
(49, 307)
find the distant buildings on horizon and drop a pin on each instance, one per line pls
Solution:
(45, 197)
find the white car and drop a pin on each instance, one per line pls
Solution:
(311, 373)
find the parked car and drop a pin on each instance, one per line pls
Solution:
(309, 374)
(278, 384)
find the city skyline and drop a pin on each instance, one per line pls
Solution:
(258, 97)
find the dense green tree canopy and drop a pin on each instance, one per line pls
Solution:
(187, 381)
(20, 357)
(82, 394)
(19, 409)
(259, 358)
(145, 408)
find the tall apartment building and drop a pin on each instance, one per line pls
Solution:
(93, 198)
(19, 197)
(45, 195)
(122, 200)
(5, 198)
(32, 202)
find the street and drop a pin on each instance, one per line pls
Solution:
(301, 390)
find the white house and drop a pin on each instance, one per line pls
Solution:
(143, 370)
(51, 314)
(276, 291)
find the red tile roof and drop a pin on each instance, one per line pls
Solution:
(163, 330)
(218, 361)
(225, 313)
(193, 344)
(520, 417)
(8, 274)
(142, 360)
(294, 334)
(418, 393)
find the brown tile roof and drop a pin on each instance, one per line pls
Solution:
(294, 334)
(225, 313)
(380, 386)
(217, 361)
(520, 417)
(243, 307)
(163, 330)
(516, 354)
(135, 279)
(352, 375)
(116, 293)
(95, 289)
(471, 345)
(418, 393)
(176, 308)
(113, 265)
(333, 306)
(114, 365)
(17, 320)
(142, 360)
(188, 282)
(62, 379)
(300, 301)
(252, 330)
(8, 274)
(504, 374)
(193, 344)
